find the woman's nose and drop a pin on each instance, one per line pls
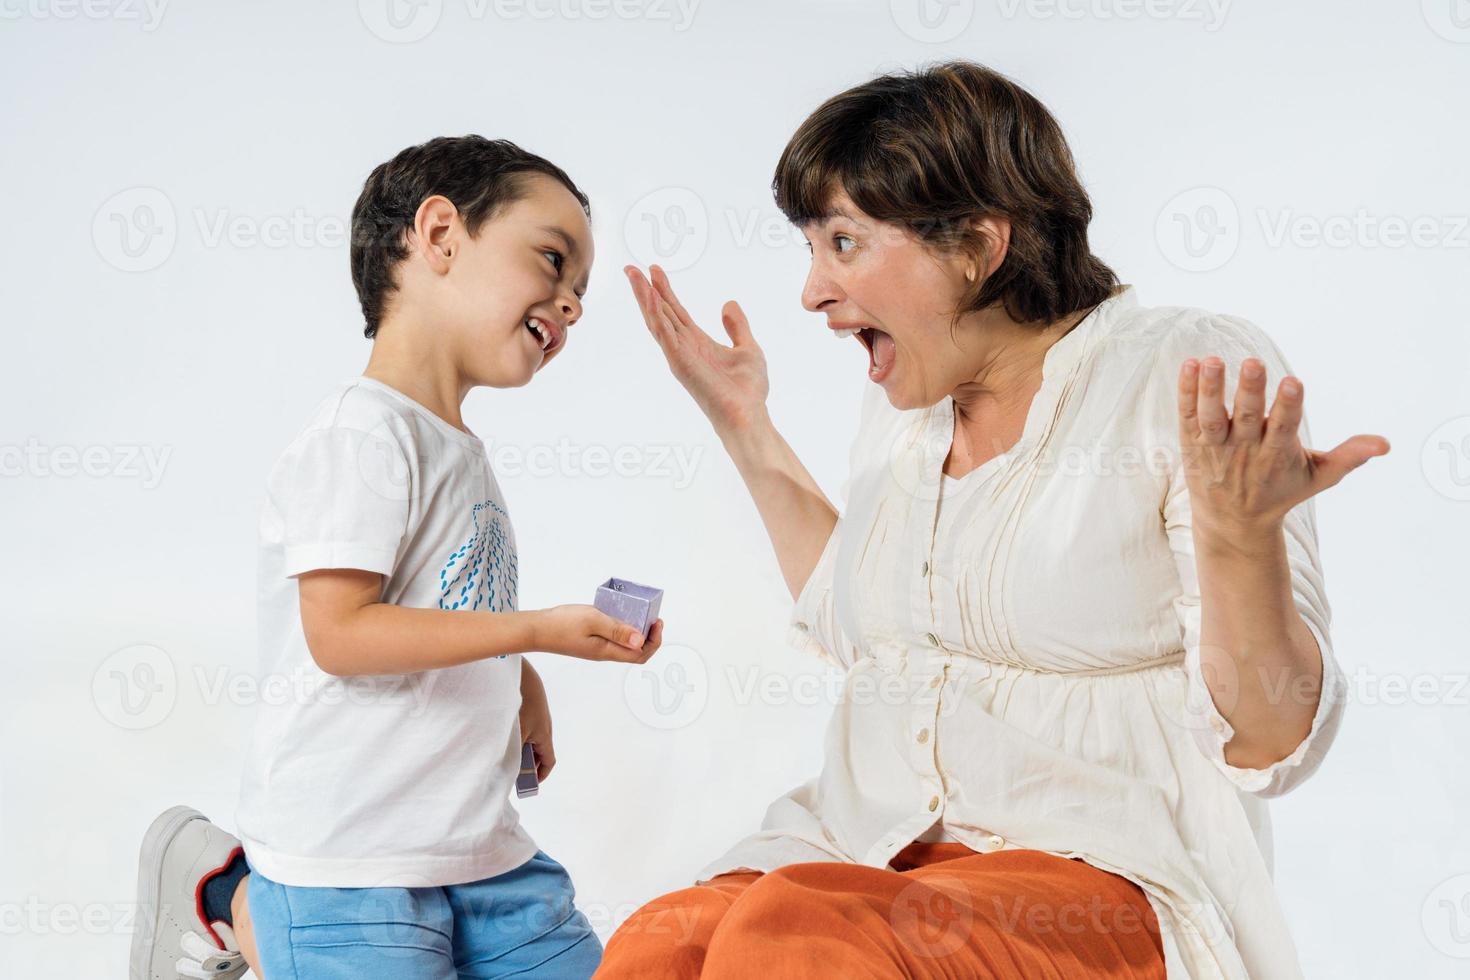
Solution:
(819, 291)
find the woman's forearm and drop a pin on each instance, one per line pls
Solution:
(1260, 661)
(798, 517)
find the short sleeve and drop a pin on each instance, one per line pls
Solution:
(1233, 340)
(814, 627)
(342, 500)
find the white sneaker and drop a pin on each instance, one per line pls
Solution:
(181, 851)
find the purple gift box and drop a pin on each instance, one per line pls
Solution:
(637, 605)
(526, 782)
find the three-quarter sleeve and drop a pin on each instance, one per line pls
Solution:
(814, 627)
(1233, 340)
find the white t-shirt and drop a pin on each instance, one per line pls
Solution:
(395, 779)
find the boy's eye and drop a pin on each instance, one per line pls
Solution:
(556, 258)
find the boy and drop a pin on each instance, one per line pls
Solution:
(378, 836)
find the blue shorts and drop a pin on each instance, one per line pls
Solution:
(519, 924)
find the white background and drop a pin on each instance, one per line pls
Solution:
(177, 184)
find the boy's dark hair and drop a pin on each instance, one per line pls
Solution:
(478, 175)
(931, 150)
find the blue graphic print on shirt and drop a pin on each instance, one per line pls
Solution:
(482, 573)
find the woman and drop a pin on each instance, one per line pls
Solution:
(1079, 600)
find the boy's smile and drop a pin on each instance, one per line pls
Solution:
(548, 336)
(534, 257)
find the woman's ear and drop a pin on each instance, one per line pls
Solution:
(995, 234)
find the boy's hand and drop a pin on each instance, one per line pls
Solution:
(536, 720)
(588, 633)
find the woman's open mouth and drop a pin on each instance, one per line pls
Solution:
(881, 352)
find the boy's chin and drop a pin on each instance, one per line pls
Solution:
(516, 375)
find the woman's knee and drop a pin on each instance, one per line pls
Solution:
(669, 935)
(802, 898)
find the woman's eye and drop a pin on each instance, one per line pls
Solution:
(556, 258)
(840, 242)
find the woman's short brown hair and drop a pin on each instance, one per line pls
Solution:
(933, 150)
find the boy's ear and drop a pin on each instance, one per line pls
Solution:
(434, 228)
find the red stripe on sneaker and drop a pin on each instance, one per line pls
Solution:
(199, 896)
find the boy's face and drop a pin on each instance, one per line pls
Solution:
(517, 285)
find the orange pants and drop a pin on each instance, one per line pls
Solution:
(944, 911)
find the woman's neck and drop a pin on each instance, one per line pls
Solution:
(1008, 368)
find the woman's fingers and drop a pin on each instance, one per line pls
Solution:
(736, 325)
(666, 317)
(642, 292)
(649, 304)
(1329, 468)
(1286, 413)
(666, 290)
(1214, 424)
(1188, 401)
(1247, 421)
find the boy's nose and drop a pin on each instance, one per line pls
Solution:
(571, 309)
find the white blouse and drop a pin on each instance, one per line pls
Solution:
(1022, 649)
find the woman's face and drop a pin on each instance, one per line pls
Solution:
(898, 294)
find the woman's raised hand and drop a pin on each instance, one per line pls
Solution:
(729, 384)
(1246, 469)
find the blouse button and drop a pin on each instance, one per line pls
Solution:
(924, 568)
(1217, 726)
(923, 735)
(803, 627)
(996, 840)
(933, 640)
(933, 803)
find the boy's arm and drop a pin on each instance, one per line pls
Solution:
(536, 720)
(351, 631)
